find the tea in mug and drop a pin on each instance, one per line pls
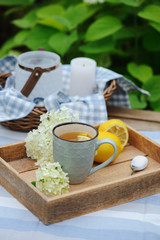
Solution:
(76, 136)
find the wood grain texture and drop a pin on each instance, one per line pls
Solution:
(145, 115)
(144, 144)
(105, 195)
(23, 165)
(13, 151)
(107, 187)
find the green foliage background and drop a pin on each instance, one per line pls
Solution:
(122, 35)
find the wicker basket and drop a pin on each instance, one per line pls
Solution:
(32, 120)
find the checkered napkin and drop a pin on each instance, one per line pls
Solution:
(103, 77)
(7, 64)
(91, 108)
(13, 105)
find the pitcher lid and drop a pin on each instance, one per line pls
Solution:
(43, 59)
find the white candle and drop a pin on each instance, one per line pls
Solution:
(82, 81)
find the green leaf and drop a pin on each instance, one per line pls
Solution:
(140, 72)
(16, 41)
(112, 1)
(14, 52)
(155, 25)
(9, 44)
(100, 46)
(34, 183)
(91, 11)
(21, 23)
(103, 27)
(151, 12)
(16, 2)
(136, 101)
(151, 40)
(28, 21)
(120, 52)
(153, 86)
(132, 3)
(12, 10)
(61, 42)
(76, 15)
(156, 105)
(57, 22)
(21, 36)
(123, 34)
(50, 11)
(38, 37)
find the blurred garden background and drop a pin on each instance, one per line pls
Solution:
(122, 35)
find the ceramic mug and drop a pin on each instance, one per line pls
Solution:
(76, 157)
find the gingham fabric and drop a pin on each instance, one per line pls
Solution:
(103, 77)
(91, 109)
(7, 64)
(13, 105)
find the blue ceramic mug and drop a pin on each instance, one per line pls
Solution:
(76, 157)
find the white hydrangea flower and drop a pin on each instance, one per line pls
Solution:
(51, 179)
(39, 141)
(94, 1)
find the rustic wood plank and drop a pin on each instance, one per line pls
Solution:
(144, 144)
(13, 151)
(108, 187)
(128, 154)
(145, 115)
(106, 195)
(23, 165)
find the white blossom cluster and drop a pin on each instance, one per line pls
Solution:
(39, 142)
(51, 179)
(39, 145)
(93, 1)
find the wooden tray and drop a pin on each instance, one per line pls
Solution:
(107, 187)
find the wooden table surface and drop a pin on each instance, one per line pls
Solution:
(141, 120)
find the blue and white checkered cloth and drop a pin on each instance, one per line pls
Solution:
(7, 64)
(91, 109)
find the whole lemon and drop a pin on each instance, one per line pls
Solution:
(106, 150)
